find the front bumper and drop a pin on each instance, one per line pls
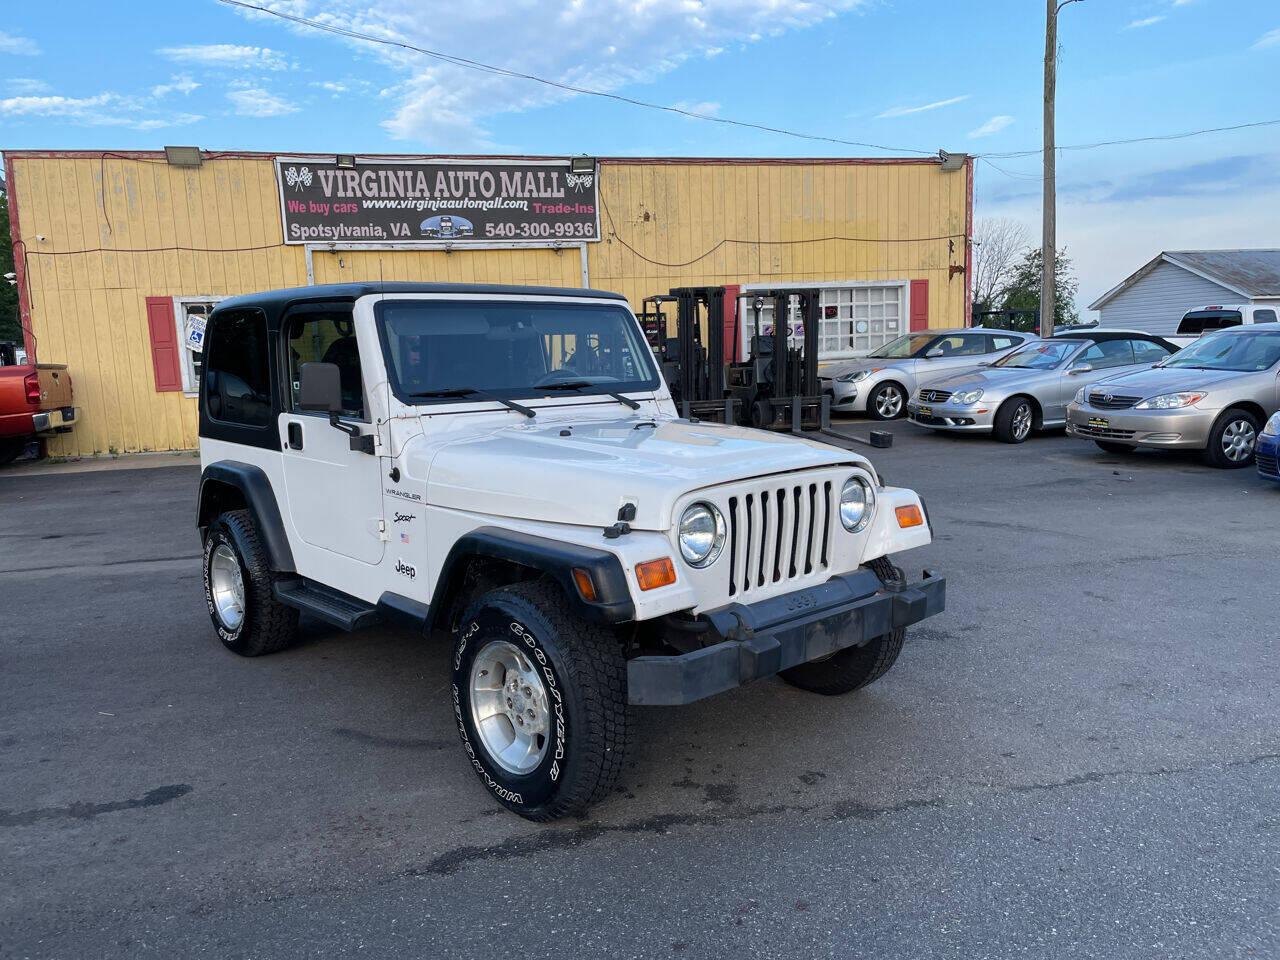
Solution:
(763, 638)
(1267, 456)
(844, 395)
(976, 417)
(1186, 428)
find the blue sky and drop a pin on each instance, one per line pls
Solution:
(918, 74)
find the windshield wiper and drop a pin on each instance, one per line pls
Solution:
(579, 384)
(472, 391)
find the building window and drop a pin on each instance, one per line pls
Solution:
(190, 314)
(855, 318)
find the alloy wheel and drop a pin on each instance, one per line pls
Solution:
(226, 583)
(509, 707)
(1238, 439)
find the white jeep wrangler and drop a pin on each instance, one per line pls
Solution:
(505, 465)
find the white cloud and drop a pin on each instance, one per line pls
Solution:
(23, 86)
(1144, 22)
(179, 84)
(100, 110)
(600, 44)
(903, 111)
(21, 46)
(257, 102)
(227, 55)
(994, 125)
(1269, 39)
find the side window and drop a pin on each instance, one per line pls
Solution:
(961, 345)
(1146, 351)
(236, 369)
(328, 337)
(1264, 316)
(1108, 353)
(1003, 343)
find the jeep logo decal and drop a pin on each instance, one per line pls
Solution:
(406, 569)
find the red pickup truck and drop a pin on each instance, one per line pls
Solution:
(35, 401)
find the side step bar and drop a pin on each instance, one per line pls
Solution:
(328, 605)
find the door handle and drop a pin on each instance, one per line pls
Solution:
(295, 435)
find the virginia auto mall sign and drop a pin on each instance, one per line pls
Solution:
(434, 201)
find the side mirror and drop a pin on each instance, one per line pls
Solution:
(1082, 368)
(320, 388)
(935, 352)
(984, 363)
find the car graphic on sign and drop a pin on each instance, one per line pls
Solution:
(447, 227)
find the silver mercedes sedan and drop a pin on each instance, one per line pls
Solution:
(1031, 387)
(880, 383)
(1212, 396)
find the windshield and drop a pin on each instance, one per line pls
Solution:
(510, 349)
(1039, 355)
(1243, 353)
(907, 345)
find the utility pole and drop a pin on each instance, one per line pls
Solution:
(1049, 217)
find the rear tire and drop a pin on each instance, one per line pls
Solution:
(1014, 420)
(1110, 446)
(570, 699)
(888, 401)
(239, 588)
(10, 450)
(1232, 440)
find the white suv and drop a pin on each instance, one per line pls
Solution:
(505, 465)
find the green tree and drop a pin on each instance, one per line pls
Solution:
(9, 327)
(1023, 289)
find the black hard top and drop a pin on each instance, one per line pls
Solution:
(1102, 335)
(275, 302)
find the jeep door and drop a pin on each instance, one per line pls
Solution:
(335, 493)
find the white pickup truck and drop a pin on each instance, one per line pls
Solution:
(505, 466)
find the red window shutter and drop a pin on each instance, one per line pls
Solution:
(732, 339)
(164, 344)
(919, 304)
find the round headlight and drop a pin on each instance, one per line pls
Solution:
(702, 533)
(856, 502)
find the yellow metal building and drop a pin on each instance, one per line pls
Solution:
(119, 253)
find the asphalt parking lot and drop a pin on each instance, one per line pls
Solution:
(1080, 758)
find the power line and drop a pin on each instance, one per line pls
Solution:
(502, 71)
(585, 91)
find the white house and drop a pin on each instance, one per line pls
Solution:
(1155, 296)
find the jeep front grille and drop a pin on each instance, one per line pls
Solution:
(779, 532)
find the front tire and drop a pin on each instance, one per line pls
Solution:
(239, 589)
(1232, 440)
(540, 698)
(886, 402)
(849, 669)
(1014, 420)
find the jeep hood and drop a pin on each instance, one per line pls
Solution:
(535, 472)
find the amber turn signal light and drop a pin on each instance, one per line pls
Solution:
(909, 516)
(655, 573)
(585, 587)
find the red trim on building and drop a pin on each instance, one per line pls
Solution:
(732, 344)
(164, 344)
(919, 305)
(19, 261)
(968, 244)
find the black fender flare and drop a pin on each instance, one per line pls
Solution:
(255, 487)
(555, 558)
